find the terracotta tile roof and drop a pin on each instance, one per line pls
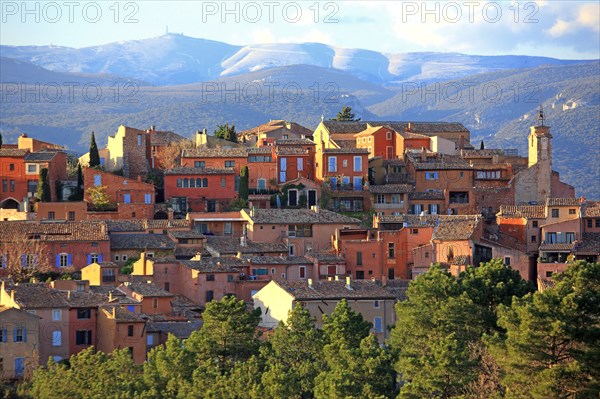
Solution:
(295, 142)
(295, 128)
(480, 153)
(168, 224)
(370, 130)
(164, 138)
(344, 140)
(55, 231)
(239, 152)
(397, 288)
(39, 295)
(219, 246)
(187, 234)
(560, 247)
(563, 202)
(200, 171)
(137, 225)
(360, 289)
(148, 290)
(13, 152)
(350, 150)
(390, 188)
(77, 299)
(180, 329)
(40, 156)
(394, 162)
(141, 241)
(426, 195)
(410, 220)
(216, 265)
(418, 127)
(326, 257)
(591, 209)
(122, 314)
(298, 216)
(589, 244)
(455, 227)
(278, 260)
(259, 150)
(410, 135)
(460, 260)
(292, 151)
(523, 211)
(437, 162)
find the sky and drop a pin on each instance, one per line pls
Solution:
(559, 29)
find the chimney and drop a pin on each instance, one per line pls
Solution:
(410, 127)
(349, 282)
(461, 142)
(219, 264)
(110, 296)
(310, 282)
(152, 128)
(384, 281)
(423, 154)
(143, 260)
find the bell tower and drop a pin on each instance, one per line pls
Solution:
(540, 142)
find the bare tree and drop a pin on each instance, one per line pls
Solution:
(24, 257)
(487, 385)
(170, 156)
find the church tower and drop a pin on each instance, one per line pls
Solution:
(540, 143)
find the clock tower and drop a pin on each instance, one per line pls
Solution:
(540, 143)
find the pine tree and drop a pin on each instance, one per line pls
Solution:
(43, 189)
(345, 115)
(244, 183)
(226, 132)
(482, 146)
(94, 154)
(79, 190)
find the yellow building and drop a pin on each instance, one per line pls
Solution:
(19, 342)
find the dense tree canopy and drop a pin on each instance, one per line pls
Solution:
(345, 114)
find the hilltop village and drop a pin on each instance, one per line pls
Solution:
(127, 245)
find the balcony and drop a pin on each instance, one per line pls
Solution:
(399, 205)
(346, 187)
(399, 178)
(262, 191)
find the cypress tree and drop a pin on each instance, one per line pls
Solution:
(43, 190)
(244, 183)
(94, 154)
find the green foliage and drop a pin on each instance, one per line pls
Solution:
(345, 326)
(551, 348)
(94, 154)
(99, 199)
(244, 184)
(43, 191)
(78, 194)
(345, 114)
(128, 266)
(238, 204)
(226, 132)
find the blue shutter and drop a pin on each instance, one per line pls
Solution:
(99, 258)
(5, 335)
(89, 259)
(15, 334)
(24, 334)
(69, 259)
(57, 260)
(23, 260)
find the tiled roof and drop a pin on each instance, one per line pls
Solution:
(168, 223)
(481, 153)
(418, 127)
(216, 265)
(107, 264)
(55, 231)
(360, 289)
(523, 211)
(326, 257)
(141, 241)
(292, 151)
(297, 216)
(77, 299)
(455, 227)
(240, 152)
(563, 202)
(134, 225)
(13, 152)
(397, 288)
(394, 162)
(200, 171)
(589, 244)
(122, 314)
(410, 220)
(180, 329)
(278, 260)
(370, 130)
(438, 162)
(344, 140)
(591, 209)
(259, 150)
(350, 150)
(390, 188)
(30, 296)
(187, 234)
(40, 156)
(460, 260)
(148, 290)
(278, 124)
(286, 142)
(411, 135)
(164, 138)
(219, 245)
(561, 247)
(426, 195)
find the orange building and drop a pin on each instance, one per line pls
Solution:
(218, 223)
(379, 140)
(122, 329)
(295, 159)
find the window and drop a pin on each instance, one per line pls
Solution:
(127, 198)
(12, 186)
(97, 180)
(130, 330)
(260, 158)
(19, 334)
(459, 197)
(51, 215)
(261, 184)
(597, 222)
(359, 258)
(149, 254)
(84, 313)
(292, 250)
(31, 168)
(167, 285)
(358, 164)
(147, 198)
(32, 186)
(223, 182)
(139, 139)
(358, 183)
(149, 340)
(63, 260)
(83, 337)
(154, 303)
(431, 175)
(209, 296)
(302, 271)
(5, 186)
(427, 254)
(56, 338)
(19, 366)
(534, 223)
(230, 278)
(124, 258)
(229, 164)
(376, 304)
(199, 164)
(210, 277)
(551, 238)
(570, 237)
(380, 199)
(572, 212)
(555, 213)
(117, 258)
(488, 174)
(300, 164)
(507, 261)
(391, 250)
(11, 167)
(71, 215)
(360, 275)
(548, 274)
(260, 271)
(377, 325)
(388, 135)
(227, 228)
(589, 223)
(533, 238)
(332, 164)
(56, 314)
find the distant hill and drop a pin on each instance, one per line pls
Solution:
(173, 59)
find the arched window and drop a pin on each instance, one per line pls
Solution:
(198, 182)
(192, 183)
(179, 182)
(186, 182)
(205, 182)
